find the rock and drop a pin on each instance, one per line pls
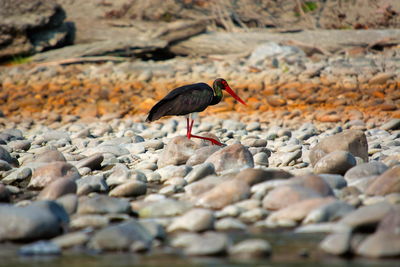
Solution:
(200, 171)
(129, 189)
(296, 212)
(121, 174)
(313, 182)
(45, 21)
(18, 177)
(71, 240)
(261, 158)
(69, 203)
(254, 176)
(89, 220)
(120, 236)
(380, 244)
(337, 243)
(5, 166)
(172, 171)
(231, 157)
(93, 183)
(229, 224)
(352, 141)
(201, 155)
(195, 220)
(163, 208)
(380, 78)
(5, 156)
(367, 216)
(48, 173)
(58, 188)
(335, 181)
(40, 248)
(23, 145)
(391, 221)
(284, 196)
(102, 204)
(4, 193)
(41, 219)
(336, 162)
(93, 162)
(253, 215)
(365, 170)
(177, 151)
(155, 229)
(251, 248)
(52, 155)
(223, 194)
(329, 212)
(207, 244)
(393, 124)
(387, 183)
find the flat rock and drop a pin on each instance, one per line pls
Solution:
(120, 236)
(121, 174)
(163, 208)
(313, 182)
(200, 171)
(251, 248)
(71, 239)
(58, 188)
(48, 173)
(92, 183)
(102, 204)
(387, 183)
(52, 155)
(93, 162)
(336, 162)
(129, 189)
(229, 223)
(172, 171)
(365, 170)
(208, 243)
(201, 155)
(41, 219)
(231, 157)
(379, 245)
(352, 141)
(82, 221)
(296, 212)
(367, 216)
(337, 243)
(254, 176)
(195, 220)
(284, 196)
(332, 211)
(177, 151)
(223, 194)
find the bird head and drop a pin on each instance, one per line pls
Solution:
(221, 84)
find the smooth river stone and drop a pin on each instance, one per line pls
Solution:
(48, 173)
(336, 162)
(206, 244)
(58, 188)
(387, 183)
(195, 220)
(177, 151)
(234, 156)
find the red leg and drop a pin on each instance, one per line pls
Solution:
(215, 142)
(188, 129)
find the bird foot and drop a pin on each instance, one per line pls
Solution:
(213, 141)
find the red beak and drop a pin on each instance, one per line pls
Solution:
(235, 96)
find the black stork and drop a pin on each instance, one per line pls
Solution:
(189, 99)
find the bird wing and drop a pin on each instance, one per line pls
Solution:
(183, 100)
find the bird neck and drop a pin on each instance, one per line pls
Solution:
(217, 95)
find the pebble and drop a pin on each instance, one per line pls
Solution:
(229, 223)
(57, 189)
(234, 156)
(200, 171)
(195, 220)
(44, 175)
(336, 162)
(129, 189)
(206, 244)
(251, 248)
(102, 204)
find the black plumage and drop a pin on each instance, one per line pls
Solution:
(184, 100)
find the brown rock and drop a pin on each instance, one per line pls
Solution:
(58, 188)
(177, 151)
(223, 194)
(380, 244)
(298, 211)
(337, 243)
(201, 155)
(48, 173)
(231, 157)
(254, 176)
(388, 182)
(284, 196)
(50, 156)
(129, 189)
(313, 182)
(353, 141)
(380, 78)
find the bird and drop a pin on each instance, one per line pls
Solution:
(189, 100)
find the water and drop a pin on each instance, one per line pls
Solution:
(289, 249)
